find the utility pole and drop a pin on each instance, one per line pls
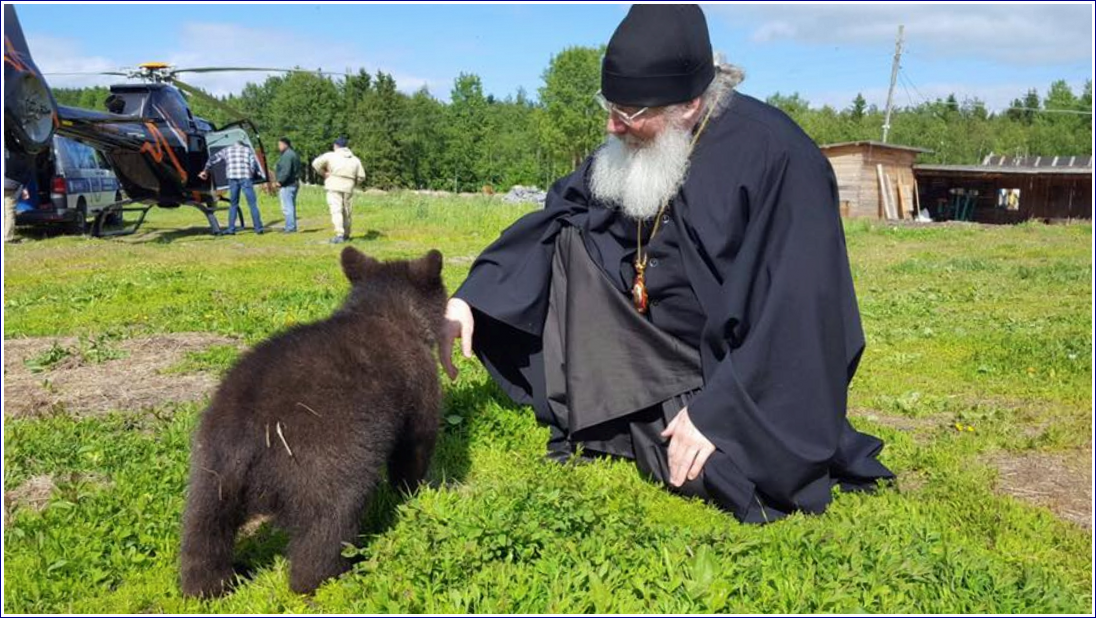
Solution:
(894, 78)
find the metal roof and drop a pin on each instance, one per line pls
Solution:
(1038, 162)
(1005, 169)
(875, 144)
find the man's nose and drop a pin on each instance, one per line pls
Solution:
(615, 125)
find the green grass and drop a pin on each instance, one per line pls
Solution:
(985, 328)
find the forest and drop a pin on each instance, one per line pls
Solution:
(475, 140)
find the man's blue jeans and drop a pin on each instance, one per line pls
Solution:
(235, 185)
(289, 207)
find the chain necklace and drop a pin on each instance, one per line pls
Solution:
(639, 284)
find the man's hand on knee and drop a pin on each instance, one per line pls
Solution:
(689, 449)
(458, 325)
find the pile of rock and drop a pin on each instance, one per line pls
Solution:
(519, 194)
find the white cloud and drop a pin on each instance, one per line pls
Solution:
(1018, 34)
(59, 55)
(200, 44)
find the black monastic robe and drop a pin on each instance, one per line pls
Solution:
(750, 268)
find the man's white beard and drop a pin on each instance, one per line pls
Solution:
(639, 178)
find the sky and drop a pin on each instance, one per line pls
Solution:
(825, 52)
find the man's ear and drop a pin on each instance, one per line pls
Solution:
(357, 265)
(692, 110)
(427, 269)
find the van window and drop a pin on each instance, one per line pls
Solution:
(101, 161)
(72, 155)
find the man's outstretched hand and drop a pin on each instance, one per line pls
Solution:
(458, 325)
(689, 449)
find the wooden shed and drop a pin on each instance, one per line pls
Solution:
(874, 179)
(1009, 189)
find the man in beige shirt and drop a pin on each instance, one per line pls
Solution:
(342, 171)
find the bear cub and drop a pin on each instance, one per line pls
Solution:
(302, 425)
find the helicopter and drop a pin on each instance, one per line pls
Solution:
(149, 135)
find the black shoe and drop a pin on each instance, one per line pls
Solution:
(338, 240)
(558, 457)
(564, 458)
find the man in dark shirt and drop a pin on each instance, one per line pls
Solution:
(288, 173)
(684, 299)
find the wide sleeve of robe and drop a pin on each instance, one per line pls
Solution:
(783, 335)
(508, 285)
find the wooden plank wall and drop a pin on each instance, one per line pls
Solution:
(858, 180)
(1046, 196)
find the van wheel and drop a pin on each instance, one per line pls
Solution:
(79, 225)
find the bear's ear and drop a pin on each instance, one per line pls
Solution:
(427, 269)
(356, 265)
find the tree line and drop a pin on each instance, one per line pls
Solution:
(476, 140)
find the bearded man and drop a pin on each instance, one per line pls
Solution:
(684, 299)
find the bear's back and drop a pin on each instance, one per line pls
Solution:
(348, 380)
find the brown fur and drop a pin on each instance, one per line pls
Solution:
(350, 394)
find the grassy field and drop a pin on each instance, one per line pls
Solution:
(977, 375)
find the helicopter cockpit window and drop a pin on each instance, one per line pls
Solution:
(171, 104)
(126, 103)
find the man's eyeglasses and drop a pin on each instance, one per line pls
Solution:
(627, 118)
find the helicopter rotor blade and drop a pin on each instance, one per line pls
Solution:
(89, 73)
(226, 69)
(208, 98)
(255, 70)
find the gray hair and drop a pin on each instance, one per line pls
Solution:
(719, 92)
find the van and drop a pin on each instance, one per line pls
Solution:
(72, 183)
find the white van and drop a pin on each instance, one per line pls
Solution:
(73, 182)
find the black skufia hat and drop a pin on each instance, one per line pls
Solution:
(659, 55)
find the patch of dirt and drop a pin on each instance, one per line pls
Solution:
(34, 494)
(911, 482)
(919, 426)
(134, 382)
(1059, 482)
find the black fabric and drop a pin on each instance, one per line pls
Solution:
(761, 246)
(659, 55)
(614, 382)
(602, 359)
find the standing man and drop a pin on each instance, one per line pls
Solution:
(16, 177)
(684, 299)
(240, 165)
(288, 173)
(341, 171)
(12, 189)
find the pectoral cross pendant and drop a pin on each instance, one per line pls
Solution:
(639, 289)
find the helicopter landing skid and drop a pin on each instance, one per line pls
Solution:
(97, 228)
(211, 215)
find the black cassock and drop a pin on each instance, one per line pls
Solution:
(749, 284)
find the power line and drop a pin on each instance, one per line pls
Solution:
(902, 72)
(904, 81)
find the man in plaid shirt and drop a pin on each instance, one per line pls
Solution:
(240, 166)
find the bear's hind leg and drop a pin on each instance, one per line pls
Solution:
(209, 533)
(316, 544)
(410, 459)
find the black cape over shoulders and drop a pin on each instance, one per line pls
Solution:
(755, 238)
